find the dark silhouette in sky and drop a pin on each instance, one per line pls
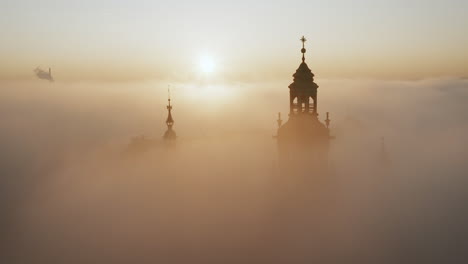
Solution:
(41, 74)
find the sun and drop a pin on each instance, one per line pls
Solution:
(207, 64)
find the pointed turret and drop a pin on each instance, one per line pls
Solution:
(327, 121)
(279, 121)
(169, 120)
(170, 133)
(303, 88)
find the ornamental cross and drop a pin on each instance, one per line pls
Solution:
(303, 39)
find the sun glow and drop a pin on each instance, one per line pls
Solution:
(207, 64)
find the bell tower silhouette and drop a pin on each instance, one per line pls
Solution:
(303, 141)
(303, 88)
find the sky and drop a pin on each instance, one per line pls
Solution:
(245, 40)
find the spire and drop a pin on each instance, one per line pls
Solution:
(327, 121)
(169, 134)
(280, 122)
(303, 50)
(169, 120)
(303, 88)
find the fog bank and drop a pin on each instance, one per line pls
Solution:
(71, 196)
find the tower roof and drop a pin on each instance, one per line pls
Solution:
(170, 133)
(304, 74)
(169, 120)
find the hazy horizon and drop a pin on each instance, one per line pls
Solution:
(66, 186)
(147, 40)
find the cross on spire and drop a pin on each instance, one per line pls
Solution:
(169, 107)
(303, 50)
(303, 39)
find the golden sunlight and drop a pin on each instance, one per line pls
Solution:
(207, 64)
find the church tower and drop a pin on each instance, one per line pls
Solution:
(303, 141)
(170, 134)
(303, 90)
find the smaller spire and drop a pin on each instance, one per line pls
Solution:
(280, 121)
(169, 95)
(170, 133)
(169, 120)
(327, 121)
(303, 50)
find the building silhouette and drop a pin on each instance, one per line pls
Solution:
(170, 134)
(303, 195)
(142, 144)
(303, 141)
